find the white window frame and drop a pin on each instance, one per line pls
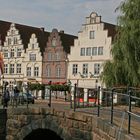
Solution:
(85, 69)
(92, 34)
(19, 52)
(28, 71)
(18, 67)
(5, 68)
(48, 71)
(12, 68)
(36, 71)
(58, 71)
(94, 51)
(5, 53)
(100, 50)
(88, 51)
(74, 69)
(12, 53)
(97, 68)
(15, 40)
(82, 52)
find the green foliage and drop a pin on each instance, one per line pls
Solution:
(60, 87)
(37, 86)
(124, 69)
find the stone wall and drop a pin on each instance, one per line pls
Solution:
(68, 125)
(3, 119)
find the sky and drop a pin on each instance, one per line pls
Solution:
(67, 15)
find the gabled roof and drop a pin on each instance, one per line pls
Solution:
(111, 29)
(42, 36)
(25, 32)
(67, 41)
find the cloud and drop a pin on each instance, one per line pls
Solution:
(68, 15)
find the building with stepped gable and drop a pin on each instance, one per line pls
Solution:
(90, 51)
(23, 48)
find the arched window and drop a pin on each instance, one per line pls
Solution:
(48, 71)
(49, 56)
(58, 71)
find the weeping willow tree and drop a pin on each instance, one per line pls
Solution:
(124, 69)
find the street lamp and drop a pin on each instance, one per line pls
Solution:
(49, 104)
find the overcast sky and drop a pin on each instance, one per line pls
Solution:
(67, 15)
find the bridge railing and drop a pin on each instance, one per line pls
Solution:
(119, 105)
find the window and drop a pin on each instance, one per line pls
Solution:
(96, 68)
(12, 68)
(85, 69)
(5, 53)
(88, 51)
(18, 68)
(36, 71)
(52, 56)
(15, 40)
(33, 45)
(48, 71)
(12, 53)
(49, 56)
(5, 68)
(92, 35)
(82, 52)
(57, 56)
(100, 50)
(28, 71)
(18, 52)
(32, 57)
(74, 69)
(58, 71)
(94, 51)
(9, 41)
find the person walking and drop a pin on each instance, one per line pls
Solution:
(6, 98)
(16, 95)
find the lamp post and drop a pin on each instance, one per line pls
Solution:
(75, 89)
(49, 104)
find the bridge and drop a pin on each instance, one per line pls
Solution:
(66, 124)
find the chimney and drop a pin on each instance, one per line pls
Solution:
(62, 31)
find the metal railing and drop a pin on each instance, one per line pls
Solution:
(128, 98)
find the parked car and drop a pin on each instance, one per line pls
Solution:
(26, 97)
